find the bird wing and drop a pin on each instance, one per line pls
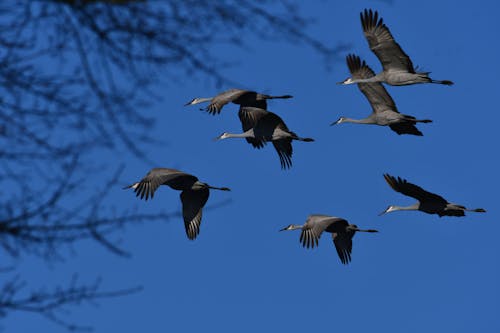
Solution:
(222, 99)
(383, 44)
(375, 92)
(266, 127)
(192, 208)
(285, 151)
(405, 128)
(162, 176)
(249, 117)
(403, 186)
(312, 230)
(343, 245)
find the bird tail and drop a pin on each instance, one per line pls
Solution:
(445, 82)
(281, 96)
(477, 210)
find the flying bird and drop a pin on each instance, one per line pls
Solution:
(342, 233)
(384, 112)
(428, 202)
(194, 194)
(398, 69)
(261, 126)
(237, 96)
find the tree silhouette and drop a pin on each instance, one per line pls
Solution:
(73, 76)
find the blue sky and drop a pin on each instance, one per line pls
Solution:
(420, 273)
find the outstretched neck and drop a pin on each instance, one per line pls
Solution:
(247, 134)
(415, 206)
(359, 121)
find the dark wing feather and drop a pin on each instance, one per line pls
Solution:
(343, 245)
(266, 127)
(312, 230)
(222, 99)
(249, 117)
(285, 151)
(375, 92)
(383, 44)
(192, 208)
(162, 176)
(403, 186)
(405, 128)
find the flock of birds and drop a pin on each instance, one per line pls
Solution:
(261, 126)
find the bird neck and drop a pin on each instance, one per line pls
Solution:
(359, 121)
(411, 207)
(247, 134)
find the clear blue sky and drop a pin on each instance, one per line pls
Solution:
(421, 273)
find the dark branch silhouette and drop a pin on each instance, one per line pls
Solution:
(75, 79)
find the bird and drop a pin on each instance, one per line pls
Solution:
(194, 194)
(237, 96)
(384, 112)
(263, 126)
(398, 69)
(342, 233)
(428, 202)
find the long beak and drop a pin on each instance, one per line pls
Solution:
(285, 228)
(341, 82)
(216, 138)
(384, 212)
(188, 103)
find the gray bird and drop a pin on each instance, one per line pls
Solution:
(398, 69)
(263, 126)
(384, 112)
(194, 194)
(428, 202)
(237, 96)
(342, 233)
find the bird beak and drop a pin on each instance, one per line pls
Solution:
(341, 82)
(335, 122)
(188, 103)
(385, 211)
(216, 138)
(285, 228)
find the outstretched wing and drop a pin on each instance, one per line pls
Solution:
(343, 245)
(403, 186)
(383, 44)
(312, 230)
(249, 116)
(405, 128)
(176, 179)
(375, 92)
(192, 208)
(222, 99)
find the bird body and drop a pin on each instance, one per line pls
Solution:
(194, 194)
(236, 96)
(428, 202)
(384, 110)
(342, 233)
(398, 68)
(261, 126)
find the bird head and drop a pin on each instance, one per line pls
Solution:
(291, 227)
(339, 121)
(222, 136)
(388, 210)
(193, 101)
(349, 80)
